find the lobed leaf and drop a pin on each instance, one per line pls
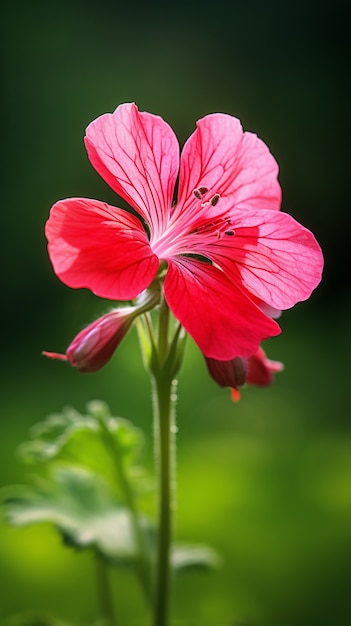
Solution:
(81, 439)
(81, 506)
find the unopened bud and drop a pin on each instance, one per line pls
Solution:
(256, 370)
(93, 347)
(227, 373)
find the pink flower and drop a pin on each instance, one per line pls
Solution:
(232, 256)
(256, 370)
(93, 347)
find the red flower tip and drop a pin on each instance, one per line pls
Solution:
(55, 355)
(235, 394)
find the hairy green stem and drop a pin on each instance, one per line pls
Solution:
(164, 448)
(163, 361)
(163, 401)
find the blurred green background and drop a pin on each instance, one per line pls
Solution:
(267, 482)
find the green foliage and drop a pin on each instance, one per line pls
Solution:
(81, 506)
(87, 481)
(87, 477)
(92, 441)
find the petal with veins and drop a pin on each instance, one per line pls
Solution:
(278, 260)
(220, 318)
(100, 247)
(137, 154)
(238, 165)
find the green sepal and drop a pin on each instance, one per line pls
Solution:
(176, 352)
(145, 342)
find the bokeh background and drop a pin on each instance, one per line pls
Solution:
(267, 482)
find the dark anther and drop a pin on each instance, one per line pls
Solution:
(215, 199)
(230, 233)
(197, 194)
(203, 190)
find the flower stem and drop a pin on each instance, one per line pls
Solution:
(163, 361)
(107, 612)
(164, 450)
(163, 332)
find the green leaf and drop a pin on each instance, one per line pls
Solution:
(81, 440)
(81, 506)
(48, 438)
(187, 557)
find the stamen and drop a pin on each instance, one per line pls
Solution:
(230, 233)
(215, 199)
(199, 192)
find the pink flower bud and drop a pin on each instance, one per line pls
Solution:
(228, 373)
(93, 347)
(256, 370)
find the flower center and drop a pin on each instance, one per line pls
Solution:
(220, 225)
(192, 228)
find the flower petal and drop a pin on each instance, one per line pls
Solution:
(278, 259)
(221, 157)
(260, 369)
(220, 318)
(137, 154)
(103, 248)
